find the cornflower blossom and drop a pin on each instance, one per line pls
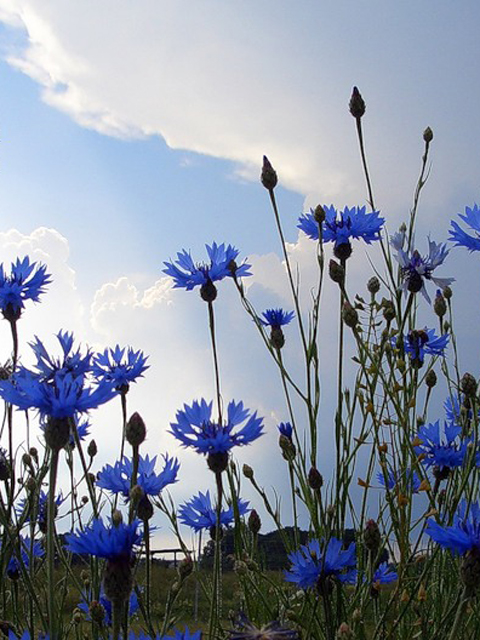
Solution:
(460, 237)
(286, 429)
(276, 319)
(441, 452)
(313, 566)
(109, 542)
(384, 574)
(118, 478)
(420, 342)
(26, 282)
(39, 510)
(183, 635)
(340, 226)
(222, 264)
(415, 269)
(199, 513)
(246, 630)
(195, 428)
(28, 552)
(58, 388)
(118, 368)
(84, 605)
(395, 479)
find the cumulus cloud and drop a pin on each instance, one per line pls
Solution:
(236, 80)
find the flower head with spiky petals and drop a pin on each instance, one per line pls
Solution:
(286, 429)
(199, 513)
(195, 428)
(27, 281)
(384, 574)
(110, 542)
(314, 564)
(118, 479)
(460, 237)
(119, 368)
(443, 452)
(420, 342)
(38, 511)
(463, 535)
(186, 634)
(276, 318)
(340, 226)
(29, 550)
(415, 269)
(187, 274)
(71, 362)
(246, 630)
(395, 479)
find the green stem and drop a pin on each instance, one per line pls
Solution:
(51, 547)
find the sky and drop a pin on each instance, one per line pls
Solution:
(129, 131)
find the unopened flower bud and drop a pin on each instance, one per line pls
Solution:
(319, 214)
(92, 449)
(431, 379)
(288, 448)
(136, 494)
(117, 518)
(428, 135)
(240, 568)
(336, 272)
(373, 285)
(439, 304)
(77, 617)
(97, 612)
(185, 568)
(31, 484)
(247, 471)
(136, 430)
(357, 104)
(84, 575)
(315, 479)
(468, 385)
(84, 499)
(4, 466)
(269, 176)
(388, 310)
(254, 523)
(372, 537)
(33, 451)
(447, 293)
(349, 315)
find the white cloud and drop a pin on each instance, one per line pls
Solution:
(236, 80)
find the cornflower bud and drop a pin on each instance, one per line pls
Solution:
(117, 518)
(185, 568)
(357, 104)
(288, 448)
(247, 471)
(372, 537)
(428, 135)
(336, 272)
(373, 285)
(33, 451)
(447, 293)
(439, 304)
(136, 430)
(319, 214)
(136, 494)
(4, 466)
(315, 479)
(431, 379)
(84, 499)
(468, 385)
(254, 523)
(269, 176)
(97, 612)
(349, 315)
(92, 449)
(388, 310)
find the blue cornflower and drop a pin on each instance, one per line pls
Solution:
(119, 477)
(184, 635)
(443, 453)
(222, 264)
(84, 605)
(26, 282)
(419, 342)
(339, 227)
(40, 509)
(276, 318)
(71, 362)
(111, 366)
(110, 542)
(199, 513)
(463, 239)
(194, 427)
(385, 574)
(414, 268)
(313, 566)
(463, 535)
(397, 478)
(286, 429)
(28, 551)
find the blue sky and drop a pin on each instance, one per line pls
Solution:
(132, 130)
